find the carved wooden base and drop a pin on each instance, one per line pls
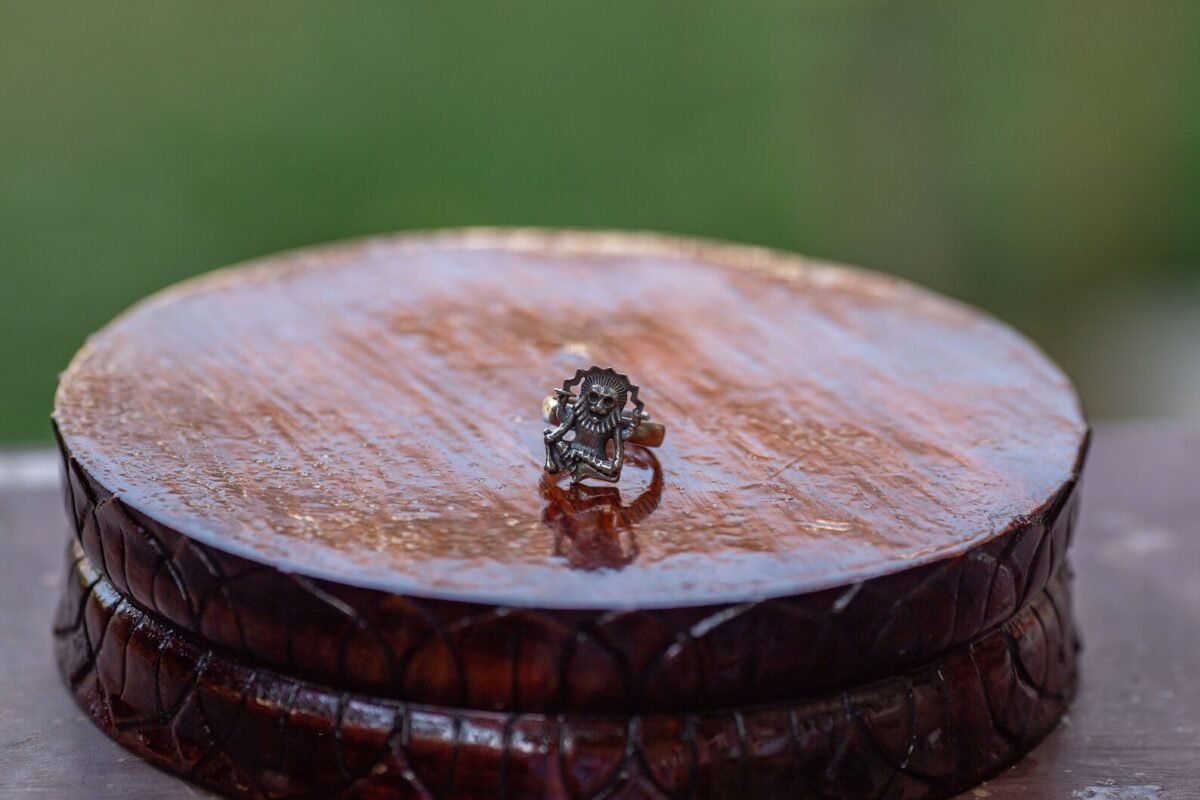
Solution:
(255, 733)
(317, 554)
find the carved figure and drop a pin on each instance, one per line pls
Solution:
(589, 439)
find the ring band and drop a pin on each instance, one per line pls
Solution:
(590, 426)
(646, 434)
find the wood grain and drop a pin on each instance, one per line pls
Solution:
(479, 655)
(319, 477)
(368, 414)
(1130, 733)
(695, 630)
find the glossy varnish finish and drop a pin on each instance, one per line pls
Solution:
(1132, 726)
(369, 414)
(249, 733)
(480, 655)
(312, 488)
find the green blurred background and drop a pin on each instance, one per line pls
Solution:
(1040, 159)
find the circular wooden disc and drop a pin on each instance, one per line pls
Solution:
(368, 415)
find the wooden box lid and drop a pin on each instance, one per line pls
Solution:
(329, 463)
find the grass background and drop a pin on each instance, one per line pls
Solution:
(1037, 158)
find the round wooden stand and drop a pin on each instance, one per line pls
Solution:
(316, 553)
(249, 732)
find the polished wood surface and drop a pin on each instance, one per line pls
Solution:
(549, 660)
(369, 414)
(1132, 732)
(699, 584)
(306, 496)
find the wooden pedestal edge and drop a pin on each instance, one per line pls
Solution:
(255, 733)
